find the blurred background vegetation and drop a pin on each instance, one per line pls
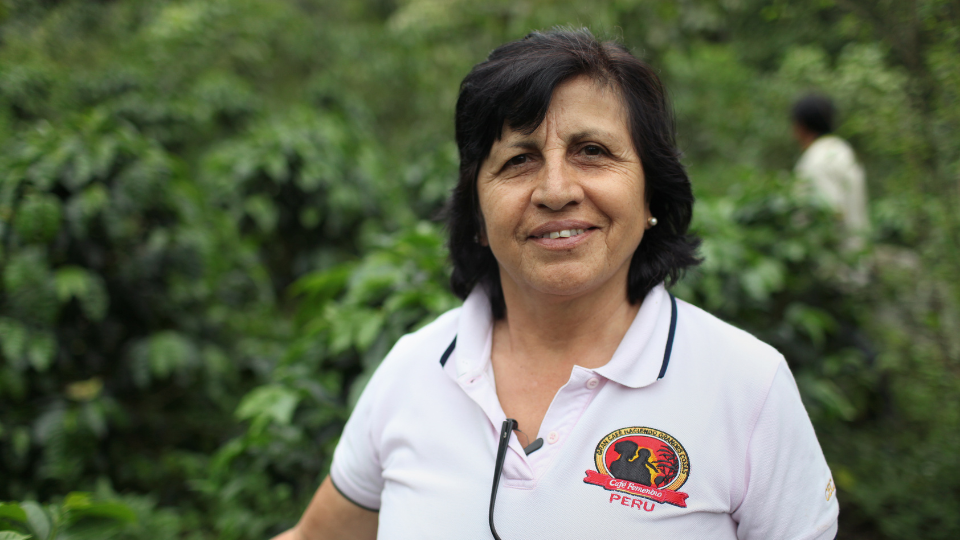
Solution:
(217, 216)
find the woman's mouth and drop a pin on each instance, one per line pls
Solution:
(565, 233)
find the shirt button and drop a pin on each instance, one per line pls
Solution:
(593, 382)
(553, 437)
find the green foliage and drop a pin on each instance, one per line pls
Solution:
(353, 313)
(774, 267)
(348, 318)
(212, 229)
(79, 516)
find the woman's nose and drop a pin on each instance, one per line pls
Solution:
(558, 185)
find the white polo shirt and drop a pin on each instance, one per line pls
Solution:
(701, 438)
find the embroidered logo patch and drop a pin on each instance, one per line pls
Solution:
(643, 462)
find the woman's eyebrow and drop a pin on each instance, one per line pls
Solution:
(590, 134)
(524, 144)
(532, 144)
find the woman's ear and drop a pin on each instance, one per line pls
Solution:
(481, 236)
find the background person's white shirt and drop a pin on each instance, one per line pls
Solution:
(830, 171)
(420, 445)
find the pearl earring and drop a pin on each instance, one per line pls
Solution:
(652, 221)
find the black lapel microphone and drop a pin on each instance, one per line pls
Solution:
(508, 426)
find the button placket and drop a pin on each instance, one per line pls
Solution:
(563, 415)
(517, 472)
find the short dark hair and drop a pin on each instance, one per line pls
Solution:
(814, 112)
(513, 87)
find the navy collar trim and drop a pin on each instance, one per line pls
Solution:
(673, 330)
(448, 352)
(668, 350)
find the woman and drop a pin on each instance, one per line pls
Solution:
(638, 413)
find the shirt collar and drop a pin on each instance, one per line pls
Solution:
(474, 333)
(636, 362)
(638, 359)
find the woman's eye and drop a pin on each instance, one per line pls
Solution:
(592, 150)
(517, 160)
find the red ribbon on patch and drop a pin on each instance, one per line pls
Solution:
(610, 483)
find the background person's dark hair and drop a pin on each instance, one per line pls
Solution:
(814, 112)
(513, 87)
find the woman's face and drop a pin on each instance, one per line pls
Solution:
(564, 207)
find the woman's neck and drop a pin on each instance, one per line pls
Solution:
(551, 331)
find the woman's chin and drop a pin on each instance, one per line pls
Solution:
(568, 285)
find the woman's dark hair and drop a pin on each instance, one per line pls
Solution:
(513, 87)
(815, 113)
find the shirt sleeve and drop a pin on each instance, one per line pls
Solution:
(790, 493)
(356, 470)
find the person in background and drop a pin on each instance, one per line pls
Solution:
(828, 169)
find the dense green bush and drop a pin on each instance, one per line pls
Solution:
(217, 216)
(79, 516)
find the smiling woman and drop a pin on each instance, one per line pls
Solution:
(576, 173)
(627, 124)
(570, 370)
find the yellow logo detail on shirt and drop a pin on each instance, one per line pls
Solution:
(642, 462)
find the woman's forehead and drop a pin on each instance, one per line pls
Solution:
(580, 108)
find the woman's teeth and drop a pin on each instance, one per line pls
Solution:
(566, 233)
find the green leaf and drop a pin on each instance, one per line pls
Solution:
(763, 278)
(272, 402)
(163, 354)
(21, 442)
(322, 286)
(13, 339)
(30, 294)
(41, 350)
(108, 510)
(38, 218)
(814, 322)
(87, 287)
(831, 397)
(368, 326)
(10, 535)
(263, 212)
(309, 217)
(37, 519)
(12, 511)
(76, 499)
(81, 505)
(81, 209)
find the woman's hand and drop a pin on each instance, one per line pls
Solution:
(331, 516)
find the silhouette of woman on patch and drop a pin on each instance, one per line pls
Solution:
(633, 464)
